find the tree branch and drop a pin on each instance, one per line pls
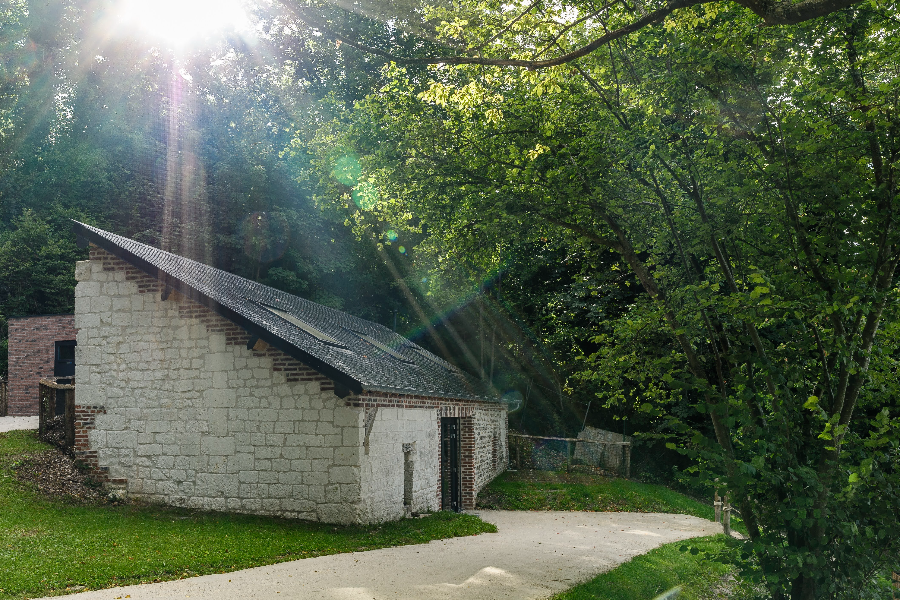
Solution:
(773, 13)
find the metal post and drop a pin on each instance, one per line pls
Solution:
(586, 414)
(726, 517)
(627, 449)
(717, 505)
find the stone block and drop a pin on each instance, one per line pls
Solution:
(110, 422)
(326, 453)
(220, 380)
(219, 398)
(101, 304)
(326, 428)
(248, 476)
(301, 465)
(283, 426)
(352, 436)
(279, 490)
(149, 449)
(343, 474)
(267, 452)
(121, 439)
(345, 416)
(87, 289)
(268, 477)
(217, 446)
(347, 456)
(350, 492)
(217, 344)
(218, 421)
(263, 414)
(219, 362)
(333, 493)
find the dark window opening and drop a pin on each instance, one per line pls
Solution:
(64, 365)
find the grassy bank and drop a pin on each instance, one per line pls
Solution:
(547, 490)
(663, 569)
(52, 545)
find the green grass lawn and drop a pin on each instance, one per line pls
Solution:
(51, 546)
(546, 490)
(659, 571)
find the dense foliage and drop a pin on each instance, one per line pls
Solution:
(748, 180)
(692, 226)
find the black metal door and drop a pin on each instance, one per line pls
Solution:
(451, 476)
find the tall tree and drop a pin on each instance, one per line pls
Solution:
(752, 194)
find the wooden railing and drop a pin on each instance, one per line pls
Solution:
(53, 395)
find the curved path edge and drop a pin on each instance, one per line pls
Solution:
(534, 555)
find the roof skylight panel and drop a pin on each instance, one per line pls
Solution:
(383, 347)
(297, 322)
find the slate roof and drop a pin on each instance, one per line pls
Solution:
(355, 353)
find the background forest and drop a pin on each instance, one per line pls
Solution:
(225, 153)
(674, 218)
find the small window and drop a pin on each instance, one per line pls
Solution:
(64, 365)
(65, 351)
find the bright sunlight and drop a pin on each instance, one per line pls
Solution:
(181, 23)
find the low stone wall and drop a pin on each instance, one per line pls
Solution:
(609, 454)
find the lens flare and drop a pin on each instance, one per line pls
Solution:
(365, 195)
(402, 249)
(180, 23)
(391, 235)
(347, 170)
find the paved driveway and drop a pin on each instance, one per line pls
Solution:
(13, 423)
(534, 555)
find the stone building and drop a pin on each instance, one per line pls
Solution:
(40, 346)
(199, 388)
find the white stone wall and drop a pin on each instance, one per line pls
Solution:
(193, 418)
(394, 430)
(490, 444)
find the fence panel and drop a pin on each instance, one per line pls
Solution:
(56, 412)
(544, 453)
(4, 398)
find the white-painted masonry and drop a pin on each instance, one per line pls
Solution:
(173, 407)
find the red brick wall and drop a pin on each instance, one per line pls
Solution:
(31, 356)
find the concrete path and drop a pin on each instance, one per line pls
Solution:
(13, 423)
(534, 555)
